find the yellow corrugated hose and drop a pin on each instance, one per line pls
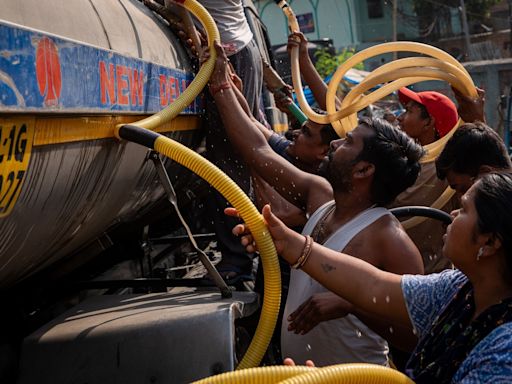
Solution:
(404, 72)
(395, 75)
(214, 176)
(202, 77)
(342, 373)
(270, 374)
(251, 216)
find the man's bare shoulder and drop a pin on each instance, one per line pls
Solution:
(385, 229)
(381, 231)
(386, 245)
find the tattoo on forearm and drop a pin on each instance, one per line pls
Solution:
(327, 267)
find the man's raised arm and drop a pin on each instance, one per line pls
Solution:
(292, 183)
(308, 71)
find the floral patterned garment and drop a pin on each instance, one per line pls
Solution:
(451, 347)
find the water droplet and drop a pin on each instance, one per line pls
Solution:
(391, 330)
(387, 299)
(374, 300)
(308, 347)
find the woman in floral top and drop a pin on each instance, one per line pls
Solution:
(462, 317)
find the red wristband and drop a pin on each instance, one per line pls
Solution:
(216, 88)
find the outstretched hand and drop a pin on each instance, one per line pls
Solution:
(319, 307)
(469, 109)
(283, 100)
(189, 41)
(223, 75)
(278, 230)
(176, 17)
(242, 231)
(297, 39)
(289, 362)
(221, 71)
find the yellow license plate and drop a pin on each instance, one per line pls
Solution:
(16, 136)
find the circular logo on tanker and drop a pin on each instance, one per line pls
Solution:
(48, 71)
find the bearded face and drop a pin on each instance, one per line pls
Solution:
(344, 154)
(338, 172)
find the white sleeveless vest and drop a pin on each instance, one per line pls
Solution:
(345, 340)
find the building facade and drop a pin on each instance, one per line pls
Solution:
(349, 23)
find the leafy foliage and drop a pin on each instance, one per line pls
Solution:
(326, 63)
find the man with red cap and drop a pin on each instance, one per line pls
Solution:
(428, 116)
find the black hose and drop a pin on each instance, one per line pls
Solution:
(429, 212)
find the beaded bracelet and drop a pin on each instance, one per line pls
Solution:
(308, 247)
(217, 88)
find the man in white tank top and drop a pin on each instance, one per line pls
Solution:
(367, 169)
(341, 340)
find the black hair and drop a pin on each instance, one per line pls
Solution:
(493, 203)
(472, 146)
(327, 131)
(395, 156)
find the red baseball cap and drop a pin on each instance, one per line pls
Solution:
(440, 107)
